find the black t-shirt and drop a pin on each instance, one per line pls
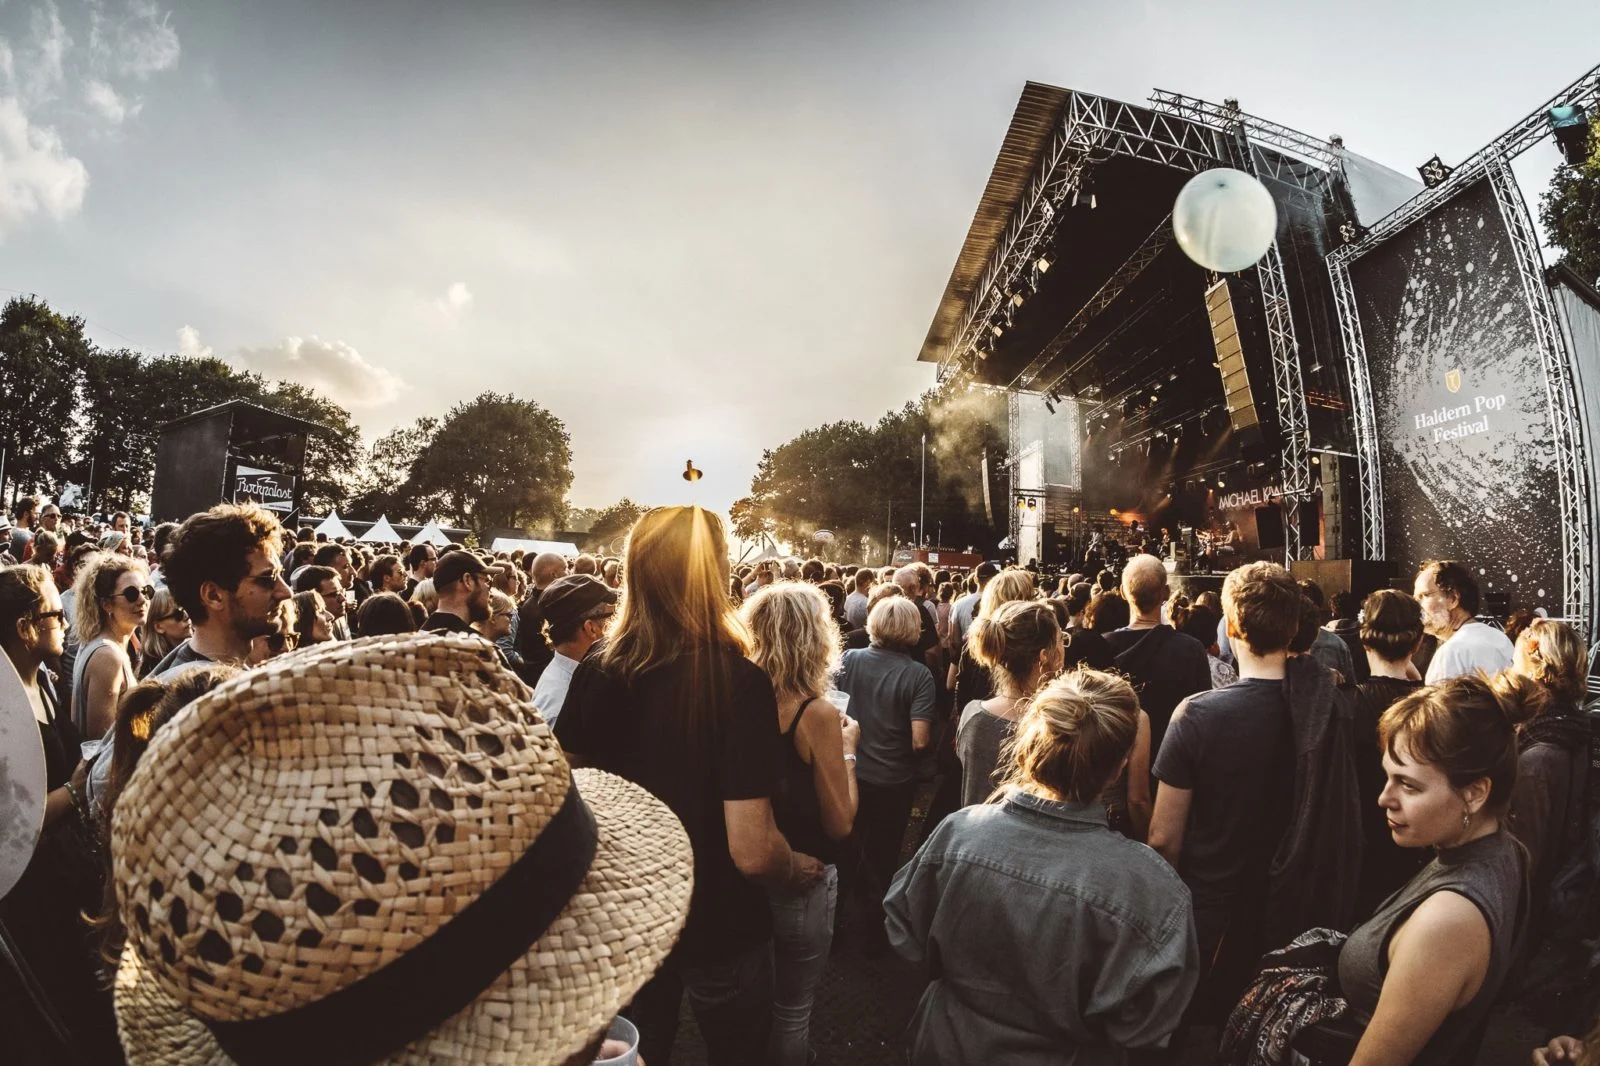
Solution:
(531, 641)
(1234, 749)
(667, 733)
(1085, 647)
(1165, 666)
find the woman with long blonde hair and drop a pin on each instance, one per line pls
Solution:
(1055, 938)
(166, 625)
(672, 703)
(112, 601)
(796, 641)
(968, 678)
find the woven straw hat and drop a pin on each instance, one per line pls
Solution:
(341, 856)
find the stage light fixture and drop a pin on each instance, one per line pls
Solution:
(1221, 484)
(1016, 299)
(996, 329)
(1316, 460)
(1435, 172)
(1048, 406)
(1043, 264)
(1570, 124)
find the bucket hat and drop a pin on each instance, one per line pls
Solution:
(376, 852)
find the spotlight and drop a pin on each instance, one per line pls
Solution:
(1221, 484)
(1316, 460)
(1435, 172)
(1016, 299)
(996, 329)
(1048, 406)
(1043, 264)
(1570, 124)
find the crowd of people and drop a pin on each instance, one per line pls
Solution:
(1263, 820)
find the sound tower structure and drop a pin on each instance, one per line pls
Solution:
(235, 452)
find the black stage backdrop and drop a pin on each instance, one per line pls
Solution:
(1465, 442)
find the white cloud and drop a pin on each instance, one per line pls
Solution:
(50, 43)
(455, 301)
(138, 44)
(189, 345)
(36, 172)
(331, 367)
(108, 103)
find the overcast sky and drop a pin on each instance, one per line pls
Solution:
(691, 230)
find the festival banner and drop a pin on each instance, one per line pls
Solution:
(272, 489)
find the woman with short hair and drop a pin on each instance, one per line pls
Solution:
(796, 641)
(111, 601)
(892, 695)
(1053, 938)
(1421, 974)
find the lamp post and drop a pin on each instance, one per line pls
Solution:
(922, 506)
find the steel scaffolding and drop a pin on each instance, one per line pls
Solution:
(1362, 412)
(1561, 394)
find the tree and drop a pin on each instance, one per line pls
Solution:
(616, 520)
(42, 355)
(333, 459)
(497, 463)
(852, 478)
(386, 478)
(126, 398)
(1570, 212)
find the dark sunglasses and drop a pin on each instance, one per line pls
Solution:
(132, 594)
(178, 615)
(48, 616)
(277, 642)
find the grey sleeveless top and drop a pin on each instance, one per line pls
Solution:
(1491, 872)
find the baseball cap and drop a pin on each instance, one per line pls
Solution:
(456, 565)
(569, 598)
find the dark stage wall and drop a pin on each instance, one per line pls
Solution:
(1466, 447)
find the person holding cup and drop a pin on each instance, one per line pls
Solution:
(796, 641)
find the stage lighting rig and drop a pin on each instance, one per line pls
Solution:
(1570, 124)
(1435, 172)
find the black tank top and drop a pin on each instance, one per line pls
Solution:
(795, 805)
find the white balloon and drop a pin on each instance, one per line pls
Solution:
(1224, 219)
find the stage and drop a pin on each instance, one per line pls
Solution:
(1397, 352)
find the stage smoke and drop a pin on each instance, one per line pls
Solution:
(1224, 220)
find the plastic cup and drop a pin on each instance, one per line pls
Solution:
(621, 1047)
(840, 700)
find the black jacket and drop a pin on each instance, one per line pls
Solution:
(1316, 871)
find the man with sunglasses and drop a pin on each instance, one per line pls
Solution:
(222, 567)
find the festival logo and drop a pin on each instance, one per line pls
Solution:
(269, 488)
(1452, 380)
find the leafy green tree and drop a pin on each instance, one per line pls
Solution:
(856, 479)
(386, 475)
(616, 520)
(126, 398)
(42, 356)
(497, 463)
(333, 459)
(1570, 211)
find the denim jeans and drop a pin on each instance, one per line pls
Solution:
(732, 1003)
(802, 933)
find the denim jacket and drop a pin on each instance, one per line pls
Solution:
(1049, 938)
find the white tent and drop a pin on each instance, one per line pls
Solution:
(381, 533)
(431, 534)
(535, 547)
(334, 529)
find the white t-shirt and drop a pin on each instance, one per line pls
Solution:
(551, 691)
(1472, 648)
